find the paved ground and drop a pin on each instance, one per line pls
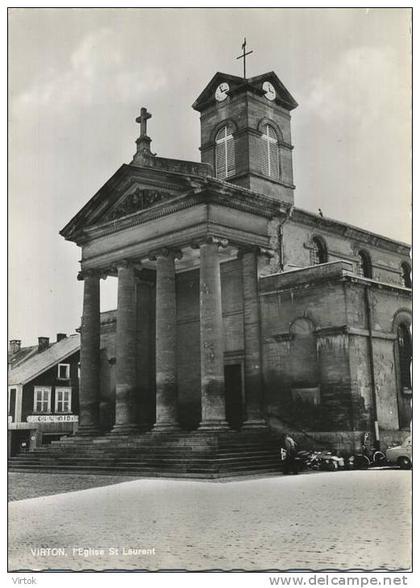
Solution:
(23, 485)
(343, 521)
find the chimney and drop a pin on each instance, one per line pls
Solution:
(14, 345)
(61, 336)
(43, 343)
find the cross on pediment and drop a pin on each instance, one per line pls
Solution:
(142, 119)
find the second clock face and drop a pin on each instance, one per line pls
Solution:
(269, 90)
(221, 91)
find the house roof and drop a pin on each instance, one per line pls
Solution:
(43, 361)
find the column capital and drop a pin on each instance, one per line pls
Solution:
(165, 252)
(127, 263)
(208, 240)
(92, 273)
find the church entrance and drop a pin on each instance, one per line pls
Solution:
(233, 395)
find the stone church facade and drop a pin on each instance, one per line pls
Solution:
(238, 311)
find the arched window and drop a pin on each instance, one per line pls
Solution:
(406, 274)
(365, 264)
(270, 159)
(225, 153)
(405, 354)
(319, 253)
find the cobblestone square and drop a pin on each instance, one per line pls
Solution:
(326, 521)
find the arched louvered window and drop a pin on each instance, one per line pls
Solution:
(406, 274)
(270, 160)
(365, 264)
(319, 252)
(225, 153)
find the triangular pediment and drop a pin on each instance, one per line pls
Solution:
(208, 93)
(137, 198)
(238, 85)
(283, 95)
(129, 191)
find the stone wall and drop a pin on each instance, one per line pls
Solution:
(333, 394)
(298, 374)
(297, 237)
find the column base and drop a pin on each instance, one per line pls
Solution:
(88, 431)
(214, 425)
(166, 427)
(254, 424)
(125, 430)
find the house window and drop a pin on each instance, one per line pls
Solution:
(406, 274)
(42, 399)
(63, 371)
(319, 252)
(365, 264)
(271, 163)
(225, 153)
(63, 400)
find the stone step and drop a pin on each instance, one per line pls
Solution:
(176, 454)
(150, 463)
(158, 474)
(200, 467)
(244, 458)
(237, 439)
(148, 459)
(144, 453)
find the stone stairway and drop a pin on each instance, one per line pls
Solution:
(197, 454)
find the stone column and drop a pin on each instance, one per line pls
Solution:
(166, 377)
(125, 373)
(252, 340)
(89, 392)
(146, 352)
(213, 408)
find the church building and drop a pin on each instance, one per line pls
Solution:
(240, 316)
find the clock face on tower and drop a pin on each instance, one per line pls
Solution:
(269, 90)
(221, 91)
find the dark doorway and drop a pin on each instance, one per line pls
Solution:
(233, 395)
(20, 442)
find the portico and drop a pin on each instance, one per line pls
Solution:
(208, 254)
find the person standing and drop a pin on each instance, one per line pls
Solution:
(290, 464)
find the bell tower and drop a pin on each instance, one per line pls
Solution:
(245, 132)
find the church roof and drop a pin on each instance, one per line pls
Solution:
(342, 228)
(39, 363)
(238, 84)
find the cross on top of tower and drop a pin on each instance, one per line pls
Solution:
(243, 56)
(142, 119)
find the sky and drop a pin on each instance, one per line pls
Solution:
(77, 80)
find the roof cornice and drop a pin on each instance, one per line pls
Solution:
(349, 231)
